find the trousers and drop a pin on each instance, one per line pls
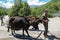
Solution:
(46, 28)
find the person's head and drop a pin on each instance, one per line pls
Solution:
(46, 11)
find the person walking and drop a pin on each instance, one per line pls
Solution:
(45, 22)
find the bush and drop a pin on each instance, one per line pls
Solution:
(50, 15)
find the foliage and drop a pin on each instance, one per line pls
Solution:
(23, 9)
(20, 9)
(3, 11)
(53, 6)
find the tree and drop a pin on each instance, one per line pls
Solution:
(20, 9)
(53, 6)
(15, 9)
(25, 10)
(3, 11)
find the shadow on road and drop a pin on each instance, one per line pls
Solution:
(52, 37)
(25, 37)
(36, 30)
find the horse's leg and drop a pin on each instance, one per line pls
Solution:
(36, 27)
(23, 32)
(8, 29)
(1, 21)
(27, 32)
(12, 31)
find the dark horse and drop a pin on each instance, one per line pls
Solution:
(23, 23)
(18, 23)
(34, 21)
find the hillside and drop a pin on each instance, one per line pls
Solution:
(53, 6)
(3, 11)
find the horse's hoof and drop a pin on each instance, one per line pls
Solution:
(7, 31)
(28, 35)
(12, 34)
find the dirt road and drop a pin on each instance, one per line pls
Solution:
(54, 32)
